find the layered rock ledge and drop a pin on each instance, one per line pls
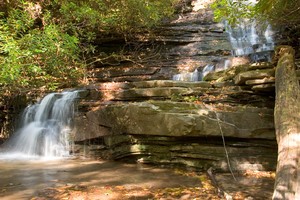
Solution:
(196, 125)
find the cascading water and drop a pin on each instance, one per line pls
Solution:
(208, 68)
(45, 128)
(187, 76)
(248, 38)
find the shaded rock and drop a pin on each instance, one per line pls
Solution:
(264, 87)
(298, 73)
(119, 71)
(199, 153)
(87, 128)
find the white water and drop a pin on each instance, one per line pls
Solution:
(197, 75)
(208, 68)
(45, 129)
(251, 38)
(248, 38)
(187, 76)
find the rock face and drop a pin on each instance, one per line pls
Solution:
(133, 111)
(10, 109)
(159, 122)
(191, 40)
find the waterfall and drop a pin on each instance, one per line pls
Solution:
(45, 128)
(248, 38)
(251, 38)
(187, 76)
(208, 68)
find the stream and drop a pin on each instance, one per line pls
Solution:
(96, 179)
(21, 179)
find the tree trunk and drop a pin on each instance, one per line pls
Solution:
(287, 125)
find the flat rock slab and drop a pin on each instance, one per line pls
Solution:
(241, 78)
(167, 118)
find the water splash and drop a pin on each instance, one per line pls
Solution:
(45, 128)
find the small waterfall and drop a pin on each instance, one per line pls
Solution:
(198, 75)
(208, 68)
(187, 76)
(227, 64)
(250, 39)
(45, 128)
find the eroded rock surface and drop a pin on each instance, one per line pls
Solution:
(188, 41)
(179, 123)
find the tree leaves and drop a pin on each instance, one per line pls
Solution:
(41, 43)
(279, 12)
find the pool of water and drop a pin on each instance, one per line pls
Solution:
(24, 178)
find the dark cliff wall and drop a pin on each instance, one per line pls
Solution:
(188, 41)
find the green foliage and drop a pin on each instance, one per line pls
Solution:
(42, 43)
(232, 10)
(34, 57)
(279, 12)
(191, 98)
(88, 19)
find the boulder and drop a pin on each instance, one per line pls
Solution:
(242, 77)
(226, 75)
(162, 118)
(260, 81)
